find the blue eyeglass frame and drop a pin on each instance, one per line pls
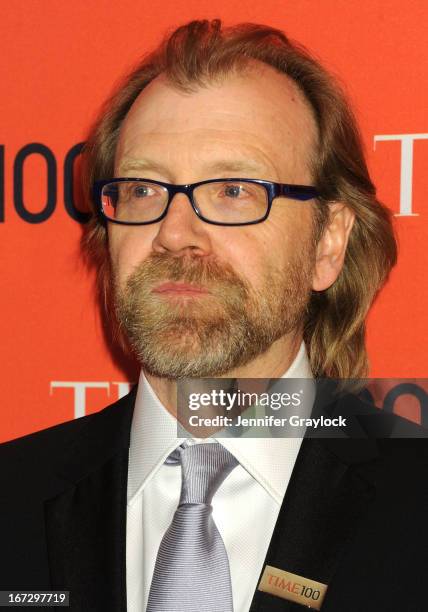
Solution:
(273, 190)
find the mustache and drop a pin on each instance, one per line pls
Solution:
(162, 267)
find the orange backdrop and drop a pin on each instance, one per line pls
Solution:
(60, 60)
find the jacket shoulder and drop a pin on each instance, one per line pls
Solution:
(36, 454)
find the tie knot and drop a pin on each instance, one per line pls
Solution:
(203, 467)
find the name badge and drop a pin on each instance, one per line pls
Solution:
(295, 588)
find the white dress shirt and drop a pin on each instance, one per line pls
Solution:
(245, 507)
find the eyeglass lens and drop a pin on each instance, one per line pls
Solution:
(221, 202)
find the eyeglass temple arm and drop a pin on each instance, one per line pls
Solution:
(299, 192)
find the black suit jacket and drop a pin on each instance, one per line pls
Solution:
(354, 517)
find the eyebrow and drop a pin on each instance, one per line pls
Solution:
(236, 166)
(140, 165)
(220, 166)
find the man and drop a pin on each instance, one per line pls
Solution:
(237, 235)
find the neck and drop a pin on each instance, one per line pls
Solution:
(274, 363)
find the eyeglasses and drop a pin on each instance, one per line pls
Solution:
(224, 201)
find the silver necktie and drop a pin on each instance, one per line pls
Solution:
(192, 568)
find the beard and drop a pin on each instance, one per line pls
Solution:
(218, 331)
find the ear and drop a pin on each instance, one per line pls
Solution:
(331, 247)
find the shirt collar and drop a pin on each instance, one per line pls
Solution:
(154, 437)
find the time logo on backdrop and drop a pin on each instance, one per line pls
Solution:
(77, 392)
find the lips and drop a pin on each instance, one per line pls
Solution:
(180, 289)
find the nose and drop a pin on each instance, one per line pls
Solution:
(181, 231)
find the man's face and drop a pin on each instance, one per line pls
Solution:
(197, 299)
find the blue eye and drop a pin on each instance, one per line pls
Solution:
(233, 191)
(141, 191)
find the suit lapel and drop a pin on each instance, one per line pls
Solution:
(327, 495)
(86, 520)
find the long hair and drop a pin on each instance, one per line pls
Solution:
(202, 52)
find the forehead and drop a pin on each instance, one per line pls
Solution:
(260, 115)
